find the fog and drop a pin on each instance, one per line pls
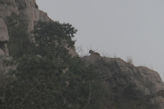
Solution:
(122, 28)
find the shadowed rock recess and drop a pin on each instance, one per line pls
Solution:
(126, 86)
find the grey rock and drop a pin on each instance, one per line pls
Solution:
(26, 9)
(3, 31)
(120, 77)
(29, 13)
(2, 53)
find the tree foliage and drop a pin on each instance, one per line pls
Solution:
(50, 78)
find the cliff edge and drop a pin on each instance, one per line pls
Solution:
(128, 86)
(127, 83)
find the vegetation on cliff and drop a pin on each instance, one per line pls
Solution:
(47, 76)
(44, 75)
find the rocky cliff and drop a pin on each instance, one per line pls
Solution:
(129, 87)
(27, 10)
(127, 83)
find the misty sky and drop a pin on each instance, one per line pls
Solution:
(123, 28)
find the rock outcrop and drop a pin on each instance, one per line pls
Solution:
(127, 83)
(27, 10)
(29, 14)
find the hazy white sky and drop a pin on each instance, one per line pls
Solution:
(123, 28)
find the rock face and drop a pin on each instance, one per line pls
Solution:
(3, 30)
(4, 37)
(26, 9)
(129, 85)
(28, 12)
